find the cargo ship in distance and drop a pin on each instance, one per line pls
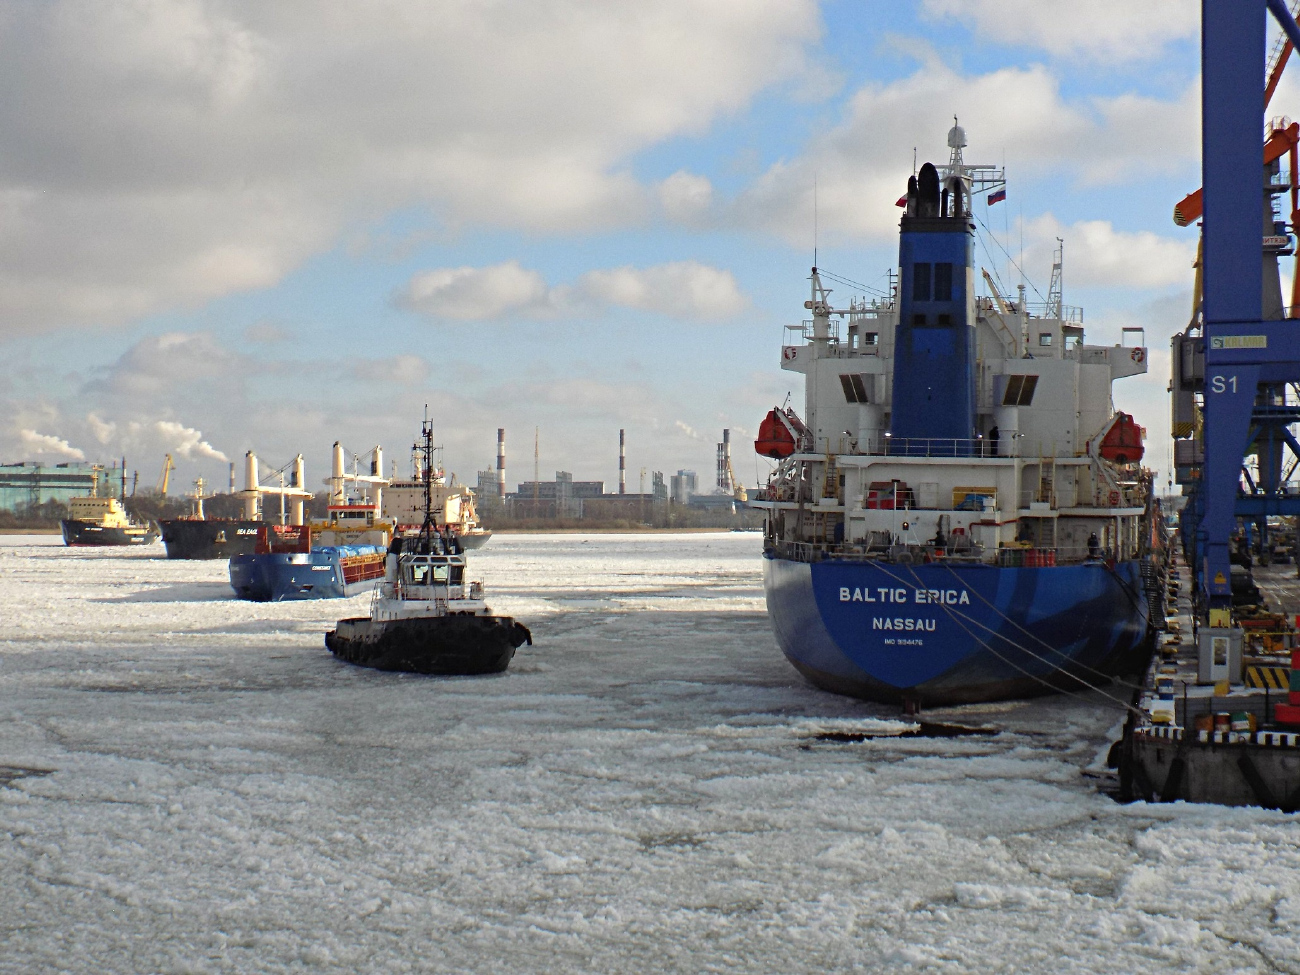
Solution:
(97, 520)
(341, 556)
(959, 515)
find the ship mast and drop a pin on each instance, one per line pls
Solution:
(424, 448)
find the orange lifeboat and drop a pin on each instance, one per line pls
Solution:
(1123, 441)
(778, 433)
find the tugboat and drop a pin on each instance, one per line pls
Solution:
(425, 618)
(105, 521)
(342, 556)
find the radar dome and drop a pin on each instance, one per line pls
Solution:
(956, 137)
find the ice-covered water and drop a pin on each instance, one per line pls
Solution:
(644, 791)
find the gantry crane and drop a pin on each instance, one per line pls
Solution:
(1245, 357)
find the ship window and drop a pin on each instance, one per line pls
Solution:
(440, 574)
(945, 319)
(855, 389)
(943, 282)
(918, 319)
(920, 282)
(418, 574)
(457, 574)
(1020, 390)
(871, 338)
(1044, 339)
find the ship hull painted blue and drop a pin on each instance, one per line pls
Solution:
(298, 575)
(952, 634)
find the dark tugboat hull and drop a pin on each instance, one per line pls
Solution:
(216, 538)
(459, 644)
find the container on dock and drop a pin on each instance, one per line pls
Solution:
(1243, 722)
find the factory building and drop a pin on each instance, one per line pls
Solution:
(681, 486)
(26, 485)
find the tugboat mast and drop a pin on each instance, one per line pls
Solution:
(425, 449)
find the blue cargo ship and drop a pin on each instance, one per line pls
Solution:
(341, 556)
(320, 572)
(960, 513)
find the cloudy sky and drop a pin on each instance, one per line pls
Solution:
(230, 225)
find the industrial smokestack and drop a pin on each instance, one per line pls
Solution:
(501, 463)
(622, 462)
(724, 464)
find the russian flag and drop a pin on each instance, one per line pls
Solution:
(997, 196)
(902, 201)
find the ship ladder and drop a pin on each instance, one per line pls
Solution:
(1047, 480)
(831, 485)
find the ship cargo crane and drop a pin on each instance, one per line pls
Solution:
(1241, 362)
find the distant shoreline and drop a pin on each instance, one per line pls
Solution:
(31, 531)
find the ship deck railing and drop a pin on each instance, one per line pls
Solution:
(1007, 556)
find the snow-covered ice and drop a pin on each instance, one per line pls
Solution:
(643, 791)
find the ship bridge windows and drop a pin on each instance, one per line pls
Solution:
(855, 388)
(918, 319)
(945, 320)
(1045, 339)
(1020, 390)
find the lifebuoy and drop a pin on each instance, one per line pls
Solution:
(1138, 355)
(1114, 498)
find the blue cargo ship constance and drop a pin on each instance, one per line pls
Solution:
(960, 514)
(342, 556)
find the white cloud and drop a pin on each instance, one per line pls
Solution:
(1110, 30)
(685, 197)
(159, 364)
(473, 294)
(861, 165)
(1098, 255)
(688, 430)
(159, 153)
(405, 370)
(42, 443)
(681, 289)
(186, 441)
